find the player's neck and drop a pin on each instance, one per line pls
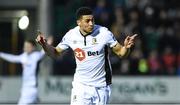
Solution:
(83, 33)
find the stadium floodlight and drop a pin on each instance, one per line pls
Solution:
(23, 22)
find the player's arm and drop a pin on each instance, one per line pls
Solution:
(120, 50)
(49, 49)
(10, 57)
(50, 40)
(123, 51)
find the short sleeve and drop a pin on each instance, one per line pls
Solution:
(64, 44)
(111, 40)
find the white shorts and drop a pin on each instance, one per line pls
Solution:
(28, 96)
(87, 95)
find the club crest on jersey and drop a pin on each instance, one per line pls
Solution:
(94, 41)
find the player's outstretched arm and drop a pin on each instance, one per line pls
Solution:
(48, 48)
(10, 57)
(123, 51)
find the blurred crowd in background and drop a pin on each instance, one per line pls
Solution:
(157, 23)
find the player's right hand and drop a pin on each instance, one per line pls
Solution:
(41, 39)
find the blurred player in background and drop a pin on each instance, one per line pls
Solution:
(90, 42)
(29, 60)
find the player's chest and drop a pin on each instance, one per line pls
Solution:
(86, 47)
(87, 43)
(27, 60)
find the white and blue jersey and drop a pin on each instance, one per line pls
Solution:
(91, 54)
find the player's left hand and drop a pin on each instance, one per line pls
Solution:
(130, 41)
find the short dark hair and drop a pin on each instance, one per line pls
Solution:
(83, 11)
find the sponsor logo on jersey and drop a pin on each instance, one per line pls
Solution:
(80, 54)
(90, 53)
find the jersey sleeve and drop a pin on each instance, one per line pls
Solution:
(111, 40)
(10, 57)
(64, 44)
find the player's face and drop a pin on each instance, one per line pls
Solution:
(28, 47)
(86, 23)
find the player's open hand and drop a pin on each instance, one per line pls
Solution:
(41, 38)
(130, 41)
